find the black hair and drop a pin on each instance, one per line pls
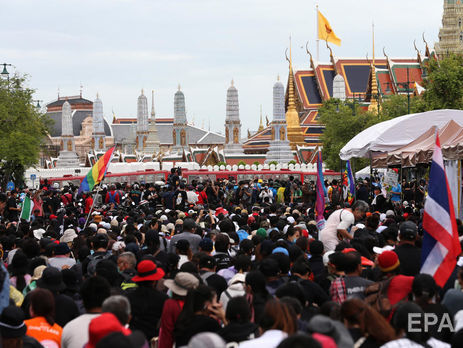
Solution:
(299, 341)
(94, 291)
(189, 225)
(351, 262)
(256, 280)
(238, 310)
(292, 289)
(195, 301)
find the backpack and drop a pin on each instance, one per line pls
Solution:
(205, 276)
(94, 260)
(376, 296)
(336, 196)
(112, 197)
(223, 261)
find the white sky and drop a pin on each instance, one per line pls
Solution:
(117, 47)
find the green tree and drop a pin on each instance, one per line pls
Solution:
(341, 125)
(444, 84)
(22, 130)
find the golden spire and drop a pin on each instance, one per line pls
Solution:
(179, 86)
(97, 95)
(295, 135)
(374, 100)
(114, 116)
(232, 82)
(278, 77)
(142, 91)
(261, 125)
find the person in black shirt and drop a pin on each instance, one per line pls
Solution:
(180, 197)
(147, 302)
(11, 206)
(409, 254)
(207, 269)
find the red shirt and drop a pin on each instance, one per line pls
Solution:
(88, 204)
(170, 313)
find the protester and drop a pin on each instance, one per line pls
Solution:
(215, 262)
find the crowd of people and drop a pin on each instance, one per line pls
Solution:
(221, 264)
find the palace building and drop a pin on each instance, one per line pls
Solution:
(294, 132)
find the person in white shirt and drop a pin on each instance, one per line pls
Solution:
(191, 196)
(94, 291)
(338, 224)
(266, 193)
(62, 257)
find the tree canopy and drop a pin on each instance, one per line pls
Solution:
(23, 129)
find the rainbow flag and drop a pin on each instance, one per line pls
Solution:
(98, 171)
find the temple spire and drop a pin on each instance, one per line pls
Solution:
(153, 114)
(261, 124)
(295, 135)
(374, 100)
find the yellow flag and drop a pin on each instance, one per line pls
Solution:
(325, 32)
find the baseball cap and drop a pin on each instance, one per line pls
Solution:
(408, 230)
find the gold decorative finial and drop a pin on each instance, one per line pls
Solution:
(261, 125)
(232, 82)
(142, 91)
(278, 77)
(179, 87)
(374, 101)
(114, 116)
(295, 134)
(97, 95)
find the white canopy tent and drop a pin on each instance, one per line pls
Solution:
(390, 135)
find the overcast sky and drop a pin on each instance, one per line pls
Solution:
(118, 47)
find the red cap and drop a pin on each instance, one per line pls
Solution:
(53, 217)
(388, 261)
(365, 261)
(102, 326)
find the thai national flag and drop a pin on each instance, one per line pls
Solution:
(441, 246)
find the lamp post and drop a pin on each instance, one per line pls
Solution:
(405, 86)
(38, 106)
(5, 74)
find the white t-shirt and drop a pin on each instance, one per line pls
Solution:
(341, 219)
(192, 197)
(75, 333)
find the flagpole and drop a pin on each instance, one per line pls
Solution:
(99, 188)
(93, 203)
(316, 34)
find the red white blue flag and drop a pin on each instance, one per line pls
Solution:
(441, 246)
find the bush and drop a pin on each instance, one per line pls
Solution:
(222, 164)
(241, 163)
(273, 162)
(292, 162)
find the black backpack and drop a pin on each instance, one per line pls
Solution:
(94, 260)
